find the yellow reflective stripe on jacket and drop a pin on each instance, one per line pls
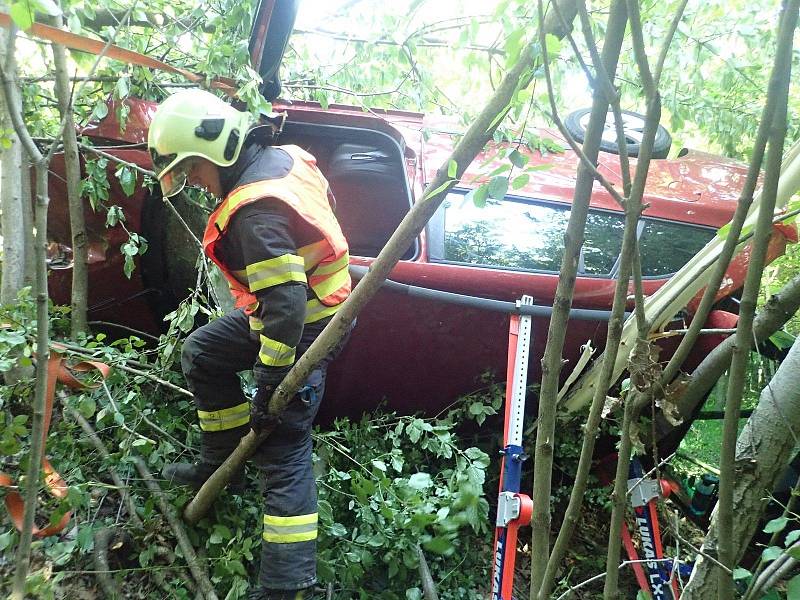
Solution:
(274, 353)
(275, 271)
(228, 207)
(341, 263)
(316, 311)
(285, 530)
(330, 284)
(313, 253)
(226, 418)
(255, 323)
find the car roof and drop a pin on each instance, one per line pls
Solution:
(695, 187)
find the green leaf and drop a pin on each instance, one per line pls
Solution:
(478, 195)
(722, 232)
(100, 111)
(322, 98)
(553, 44)
(439, 189)
(85, 538)
(420, 481)
(452, 169)
(782, 339)
(793, 588)
(6, 540)
(501, 169)
(776, 525)
(337, 530)
(513, 46)
(129, 266)
(439, 545)
(500, 116)
(121, 89)
(127, 179)
(794, 553)
(22, 14)
(771, 553)
(498, 187)
(740, 573)
(791, 538)
(87, 406)
(518, 159)
(413, 594)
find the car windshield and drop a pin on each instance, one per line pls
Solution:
(529, 235)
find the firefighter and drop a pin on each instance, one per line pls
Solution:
(275, 238)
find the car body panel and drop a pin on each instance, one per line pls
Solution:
(411, 353)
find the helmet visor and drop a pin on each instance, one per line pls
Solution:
(173, 181)
(161, 161)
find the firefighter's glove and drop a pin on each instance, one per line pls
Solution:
(260, 418)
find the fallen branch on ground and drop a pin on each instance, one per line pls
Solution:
(102, 569)
(199, 574)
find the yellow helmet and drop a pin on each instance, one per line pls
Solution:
(194, 123)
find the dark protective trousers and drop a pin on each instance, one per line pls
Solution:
(212, 357)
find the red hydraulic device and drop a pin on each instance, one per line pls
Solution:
(514, 510)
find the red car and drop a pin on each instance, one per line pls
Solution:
(413, 350)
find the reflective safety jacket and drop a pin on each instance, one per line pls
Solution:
(324, 263)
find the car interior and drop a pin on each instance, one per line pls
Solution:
(366, 172)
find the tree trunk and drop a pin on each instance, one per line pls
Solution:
(37, 438)
(779, 86)
(763, 451)
(29, 273)
(34, 470)
(77, 222)
(556, 331)
(11, 198)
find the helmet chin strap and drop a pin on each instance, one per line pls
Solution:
(269, 128)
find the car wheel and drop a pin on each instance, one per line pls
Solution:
(633, 126)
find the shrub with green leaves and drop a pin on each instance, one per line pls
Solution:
(389, 483)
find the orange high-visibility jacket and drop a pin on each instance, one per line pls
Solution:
(305, 191)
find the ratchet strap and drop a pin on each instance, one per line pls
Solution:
(92, 46)
(57, 370)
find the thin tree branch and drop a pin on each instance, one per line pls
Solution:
(599, 576)
(747, 306)
(542, 561)
(72, 167)
(568, 136)
(198, 572)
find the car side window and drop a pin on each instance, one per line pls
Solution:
(665, 247)
(521, 234)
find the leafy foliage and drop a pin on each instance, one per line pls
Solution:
(389, 483)
(386, 483)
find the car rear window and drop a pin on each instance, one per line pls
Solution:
(529, 235)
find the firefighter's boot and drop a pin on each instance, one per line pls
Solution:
(214, 450)
(195, 475)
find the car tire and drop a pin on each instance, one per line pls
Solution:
(576, 122)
